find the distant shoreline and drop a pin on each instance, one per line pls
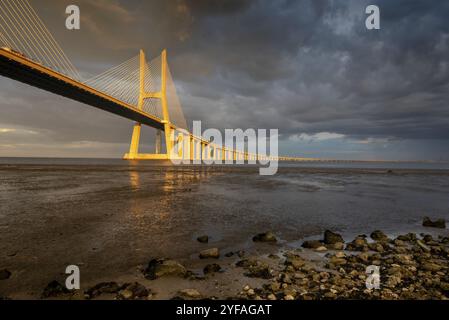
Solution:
(290, 159)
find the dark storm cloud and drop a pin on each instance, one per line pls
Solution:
(321, 69)
(302, 66)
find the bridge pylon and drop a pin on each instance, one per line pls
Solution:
(133, 153)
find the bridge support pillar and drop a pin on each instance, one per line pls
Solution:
(134, 147)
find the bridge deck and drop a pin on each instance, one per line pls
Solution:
(24, 70)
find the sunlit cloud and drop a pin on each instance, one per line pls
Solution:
(17, 131)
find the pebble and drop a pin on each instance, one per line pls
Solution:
(213, 253)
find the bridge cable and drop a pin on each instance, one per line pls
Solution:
(24, 32)
(52, 52)
(52, 40)
(38, 51)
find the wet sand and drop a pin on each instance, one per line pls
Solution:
(111, 220)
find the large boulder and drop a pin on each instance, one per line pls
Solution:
(332, 237)
(160, 267)
(439, 223)
(265, 237)
(213, 253)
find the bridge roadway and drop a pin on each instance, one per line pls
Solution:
(20, 68)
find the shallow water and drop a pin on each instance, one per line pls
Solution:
(110, 216)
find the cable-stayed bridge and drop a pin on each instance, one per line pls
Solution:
(137, 89)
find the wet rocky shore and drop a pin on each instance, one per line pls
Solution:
(409, 266)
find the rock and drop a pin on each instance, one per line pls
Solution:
(407, 237)
(285, 278)
(137, 291)
(265, 237)
(295, 261)
(312, 244)
(404, 259)
(203, 239)
(360, 240)
(229, 254)
(246, 263)
(440, 223)
(211, 268)
(160, 267)
(330, 295)
(336, 246)
(261, 270)
(340, 254)
(213, 253)
(445, 240)
(338, 261)
(289, 297)
(393, 281)
(444, 286)
(321, 249)
(364, 257)
(103, 287)
(399, 243)
(5, 274)
(190, 294)
(422, 246)
(241, 253)
(275, 286)
(332, 237)
(429, 266)
(271, 297)
(378, 235)
(376, 246)
(125, 294)
(54, 289)
(358, 244)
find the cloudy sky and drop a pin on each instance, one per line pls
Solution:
(309, 68)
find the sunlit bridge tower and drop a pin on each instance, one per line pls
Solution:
(144, 95)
